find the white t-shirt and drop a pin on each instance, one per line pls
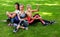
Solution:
(17, 11)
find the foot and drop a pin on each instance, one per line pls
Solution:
(45, 24)
(51, 22)
(14, 25)
(15, 30)
(26, 28)
(10, 24)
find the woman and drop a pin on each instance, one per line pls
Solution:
(13, 15)
(22, 19)
(36, 18)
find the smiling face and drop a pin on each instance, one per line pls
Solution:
(21, 7)
(17, 6)
(28, 7)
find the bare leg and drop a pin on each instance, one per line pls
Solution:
(41, 20)
(11, 15)
(20, 27)
(8, 14)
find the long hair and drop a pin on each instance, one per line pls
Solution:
(17, 5)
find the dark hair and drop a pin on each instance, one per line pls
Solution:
(17, 5)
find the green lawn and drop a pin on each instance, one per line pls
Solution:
(49, 10)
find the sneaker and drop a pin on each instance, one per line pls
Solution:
(45, 24)
(51, 22)
(15, 24)
(9, 24)
(15, 30)
(8, 20)
(26, 28)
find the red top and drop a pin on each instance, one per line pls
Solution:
(29, 20)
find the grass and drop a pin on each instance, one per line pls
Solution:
(47, 11)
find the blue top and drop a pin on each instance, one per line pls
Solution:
(23, 15)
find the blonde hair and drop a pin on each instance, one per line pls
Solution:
(22, 5)
(28, 6)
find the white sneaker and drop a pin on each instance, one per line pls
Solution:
(15, 24)
(26, 28)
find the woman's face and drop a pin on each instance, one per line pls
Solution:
(16, 6)
(28, 8)
(21, 7)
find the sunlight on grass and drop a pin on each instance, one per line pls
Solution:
(8, 1)
(46, 13)
(48, 4)
(5, 4)
(51, 4)
(35, 30)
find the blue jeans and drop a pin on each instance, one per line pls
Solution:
(12, 20)
(25, 23)
(16, 20)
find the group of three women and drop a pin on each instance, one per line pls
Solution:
(21, 18)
